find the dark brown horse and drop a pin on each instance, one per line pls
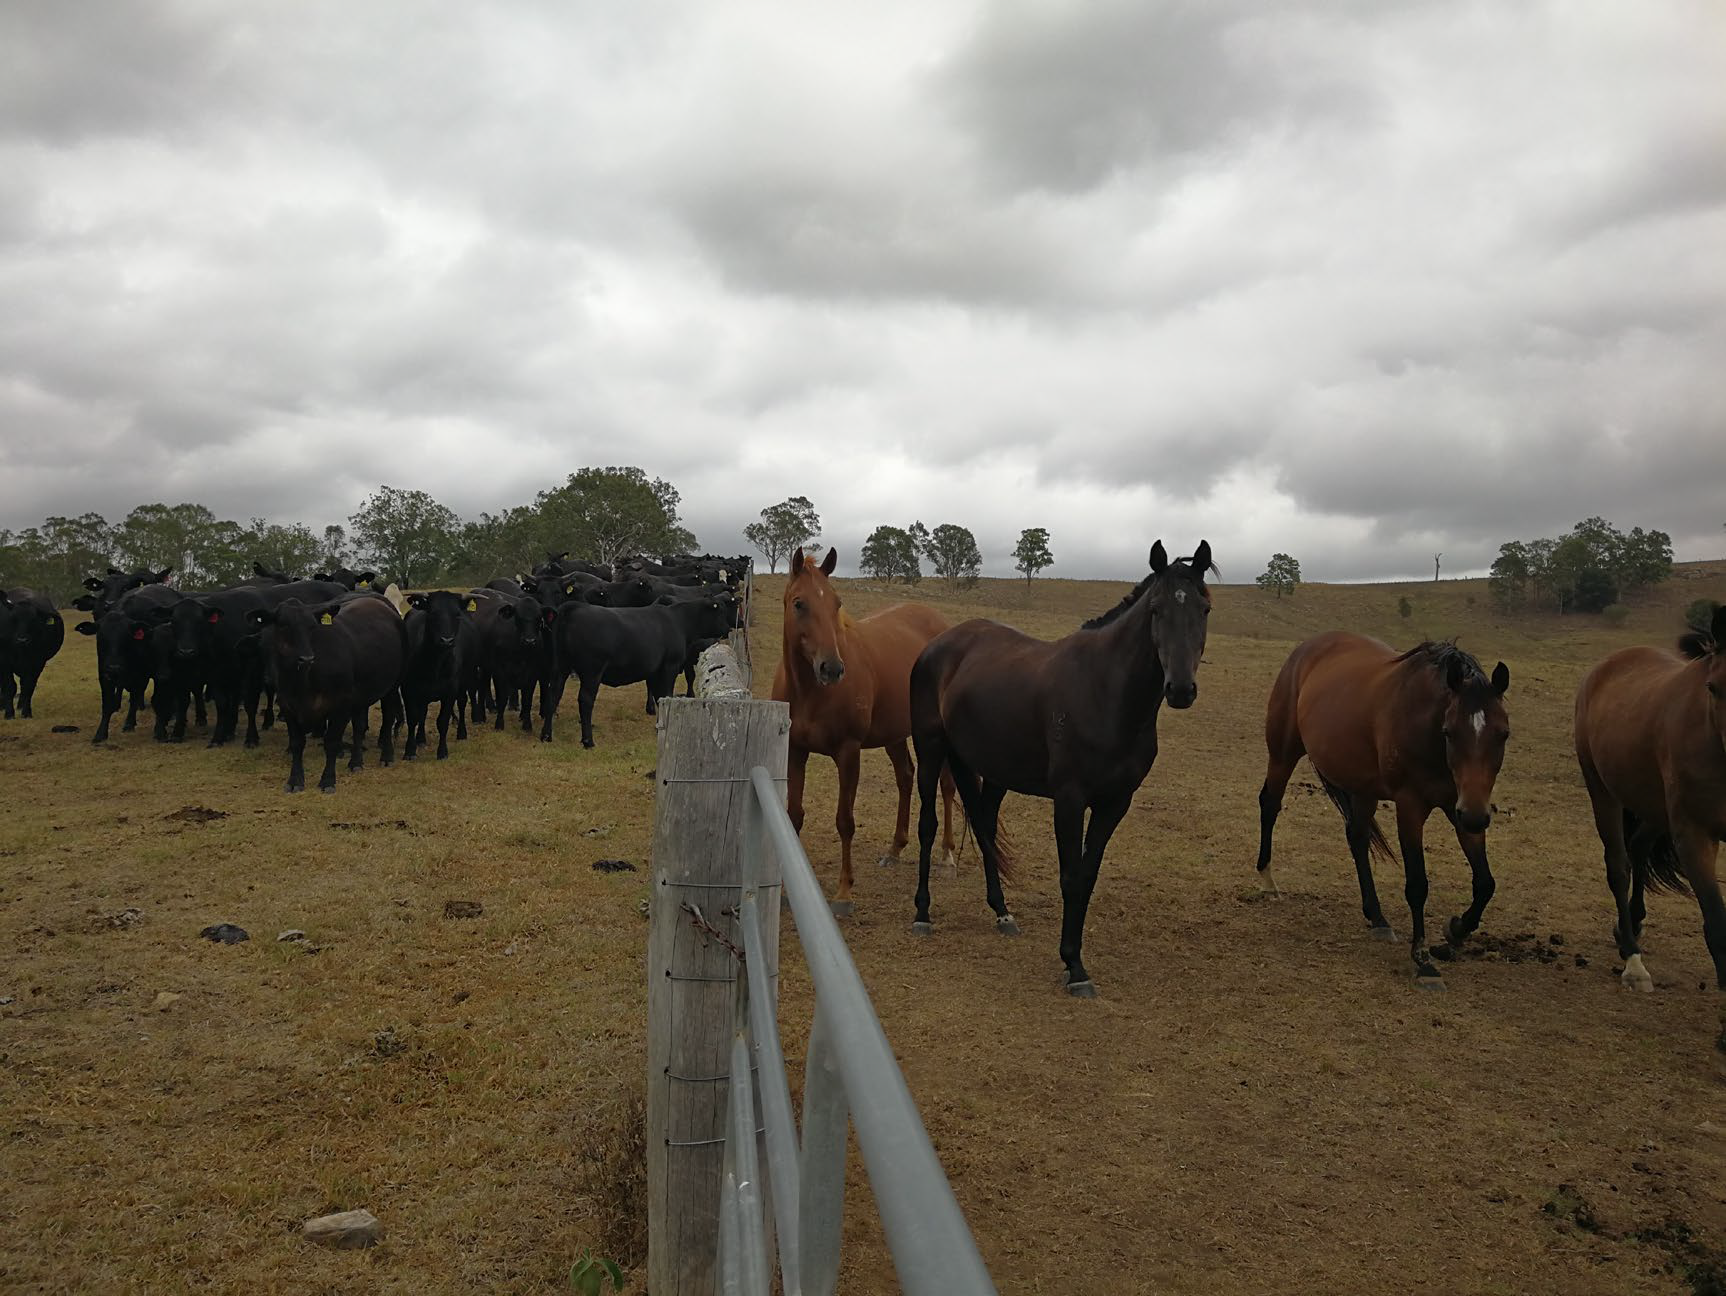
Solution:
(1424, 729)
(1074, 721)
(849, 685)
(1651, 740)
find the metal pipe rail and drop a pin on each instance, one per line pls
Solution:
(851, 1073)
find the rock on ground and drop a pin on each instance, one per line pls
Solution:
(345, 1229)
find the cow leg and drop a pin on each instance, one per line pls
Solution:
(464, 699)
(6, 693)
(389, 719)
(198, 703)
(498, 684)
(135, 704)
(296, 755)
(250, 690)
(110, 704)
(361, 721)
(443, 710)
(333, 728)
(414, 722)
(584, 701)
(550, 694)
(27, 690)
(269, 721)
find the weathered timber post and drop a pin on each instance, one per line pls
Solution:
(707, 746)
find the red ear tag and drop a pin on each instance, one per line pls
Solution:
(138, 633)
(215, 617)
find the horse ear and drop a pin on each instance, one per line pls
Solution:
(1455, 673)
(1159, 558)
(797, 560)
(1202, 559)
(1500, 679)
(829, 562)
(1717, 628)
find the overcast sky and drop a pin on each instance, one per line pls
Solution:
(1360, 282)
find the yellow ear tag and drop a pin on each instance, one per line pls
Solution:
(365, 584)
(569, 589)
(327, 618)
(473, 605)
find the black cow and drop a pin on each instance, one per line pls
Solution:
(347, 578)
(713, 620)
(441, 641)
(331, 662)
(617, 646)
(262, 575)
(106, 591)
(126, 656)
(31, 632)
(216, 645)
(516, 647)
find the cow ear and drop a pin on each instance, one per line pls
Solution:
(159, 616)
(161, 576)
(1159, 558)
(261, 616)
(506, 612)
(323, 576)
(85, 627)
(548, 615)
(1500, 679)
(92, 583)
(114, 571)
(84, 603)
(213, 615)
(417, 600)
(829, 562)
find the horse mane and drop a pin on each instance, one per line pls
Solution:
(1179, 566)
(1697, 644)
(1440, 653)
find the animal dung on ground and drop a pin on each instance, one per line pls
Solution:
(613, 866)
(130, 917)
(225, 934)
(463, 909)
(63, 729)
(194, 814)
(344, 1230)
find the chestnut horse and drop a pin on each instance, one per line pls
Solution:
(1074, 721)
(1424, 729)
(1651, 740)
(848, 683)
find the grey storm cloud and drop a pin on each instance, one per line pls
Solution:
(1360, 282)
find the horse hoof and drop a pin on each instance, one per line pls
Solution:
(1429, 981)
(842, 908)
(1454, 933)
(950, 864)
(1635, 976)
(1268, 884)
(1081, 990)
(1007, 925)
(922, 929)
(1385, 933)
(887, 860)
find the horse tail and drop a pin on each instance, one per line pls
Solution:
(989, 837)
(1653, 857)
(1376, 840)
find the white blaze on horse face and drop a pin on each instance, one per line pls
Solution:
(1478, 720)
(1180, 596)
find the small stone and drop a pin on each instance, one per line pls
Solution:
(345, 1229)
(293, 934)
(4, 1000)
(225, 934)
(462, 909)
(386, 1043)
(1581, 960)
(125, 918)
(1555, 939)
(510, 948)
(460, 995)
(165, 1000)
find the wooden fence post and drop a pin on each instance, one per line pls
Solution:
(707, 747)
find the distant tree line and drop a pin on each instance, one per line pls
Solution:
(896, 554)
(1588, 569)
(598, 514)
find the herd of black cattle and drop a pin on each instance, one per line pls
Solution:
(324, 651)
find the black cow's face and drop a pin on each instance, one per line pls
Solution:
(298, 629)
(527, 617)
(193, 623)
(444, 613)
(117, 635)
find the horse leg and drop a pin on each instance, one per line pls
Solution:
(850, 762)
(1270, 806)
(1460, 927)
(931, 760)
(1075, 894)
(1359, 833)
(1411, 815)
(1697, 851)
(949, 856)
(989, 798)
(1627, 932)
(900, 754)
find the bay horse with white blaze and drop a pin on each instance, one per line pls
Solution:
(1073, 721)
(1651, 740)
(1424, 729)
(848, 683)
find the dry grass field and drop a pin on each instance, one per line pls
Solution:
(1259, 1101)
